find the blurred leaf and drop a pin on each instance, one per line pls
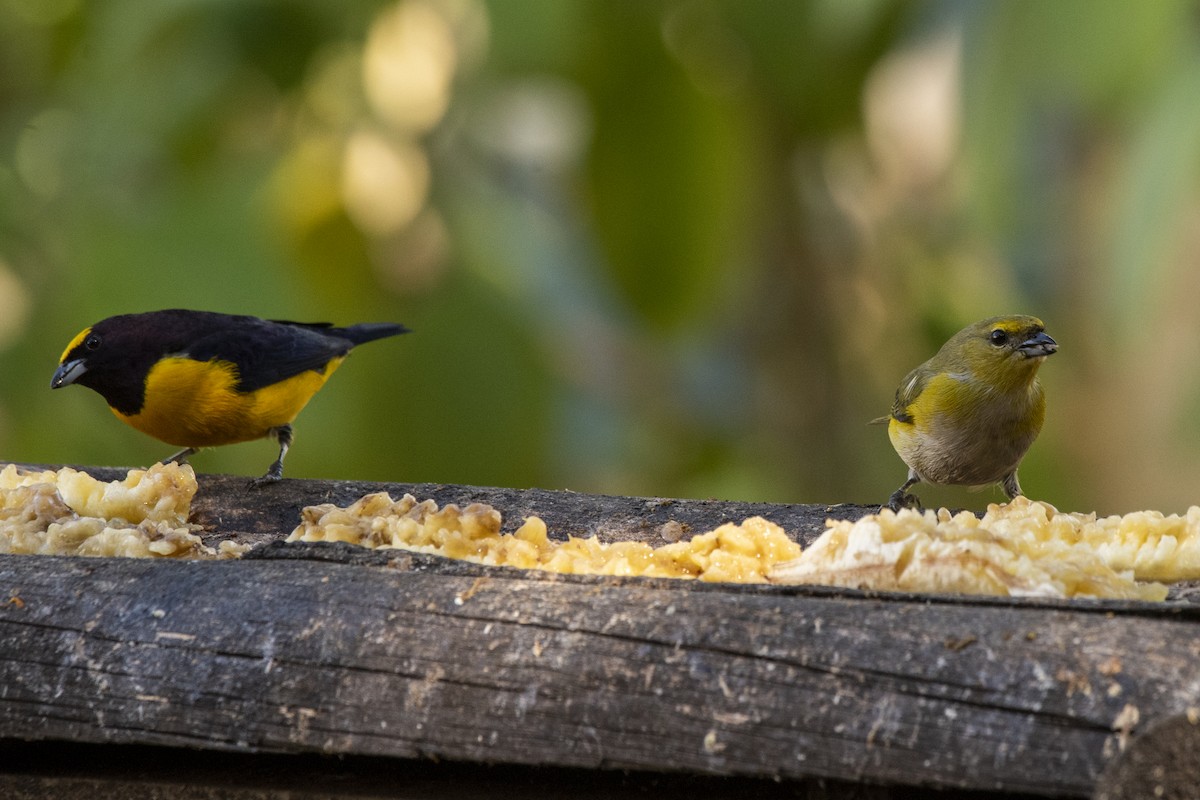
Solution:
(1154, 195)
(810, 57)
(1035, 70)
(669, 169)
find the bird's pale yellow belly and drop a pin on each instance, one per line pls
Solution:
(972, 442)
(192, 403)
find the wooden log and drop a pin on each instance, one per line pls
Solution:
(315, 648)
(1164, 762)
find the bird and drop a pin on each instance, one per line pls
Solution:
(198, 379)
(967, 416)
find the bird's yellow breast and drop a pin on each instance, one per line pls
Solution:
(961, 431)
(191, 403)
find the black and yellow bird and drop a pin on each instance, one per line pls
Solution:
(197, 379)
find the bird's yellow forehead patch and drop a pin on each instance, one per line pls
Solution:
(75, 343)
(1021, 325)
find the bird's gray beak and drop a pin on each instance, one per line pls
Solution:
(1037, 346)
(67, 373)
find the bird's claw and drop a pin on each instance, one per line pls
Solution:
(272, 476)
(902, 499)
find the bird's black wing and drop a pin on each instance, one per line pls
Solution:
(361, 333)
(267, 352)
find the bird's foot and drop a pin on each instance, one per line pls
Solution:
(274, 475)
(283, 433)
(902, 499)
(265, 480)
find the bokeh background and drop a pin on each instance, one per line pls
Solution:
(655, 247)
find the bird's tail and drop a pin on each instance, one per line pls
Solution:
(369, 331)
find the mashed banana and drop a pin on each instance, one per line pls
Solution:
(1154, 546)
(739, 553)
(1019, 549)
(68, 512)
(1024, 548)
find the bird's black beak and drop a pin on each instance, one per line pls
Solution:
(67, 373)
(1037, 346)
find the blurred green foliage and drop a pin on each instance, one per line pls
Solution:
(647, 247)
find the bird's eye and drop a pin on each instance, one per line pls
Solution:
(92, 342)
(999, 337)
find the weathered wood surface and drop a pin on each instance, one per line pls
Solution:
(1163, 762)
(331, 649)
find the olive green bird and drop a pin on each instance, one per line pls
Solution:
(967, 416)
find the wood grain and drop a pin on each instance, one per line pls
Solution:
(330, 649)
(317, 656)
